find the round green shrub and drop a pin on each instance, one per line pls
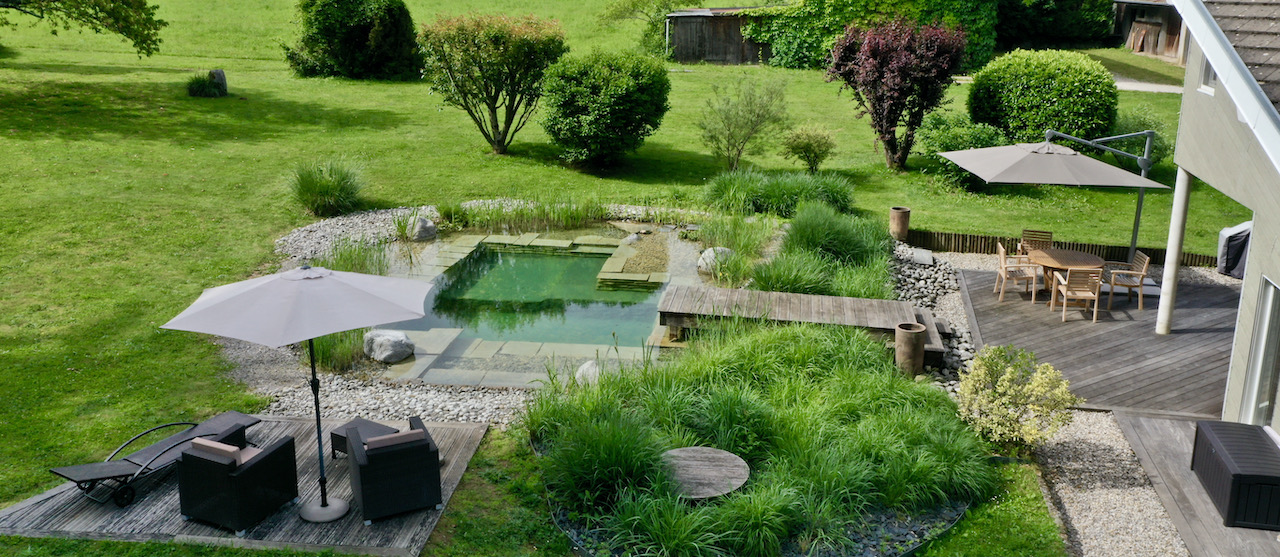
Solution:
(356, 39)
(327, 188)
(809, 144)
(942, 132)
(601, 106)
(1026, 92)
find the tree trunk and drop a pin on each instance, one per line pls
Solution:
(891, 158)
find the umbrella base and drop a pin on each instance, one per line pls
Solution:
(313, 512)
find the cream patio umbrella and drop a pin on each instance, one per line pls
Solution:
(297, 305)
(1047, 163)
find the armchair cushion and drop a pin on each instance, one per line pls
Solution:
(395, 438)
(215, 448)
(396, 478)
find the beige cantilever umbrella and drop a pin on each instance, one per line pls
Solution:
(297, 305)
(1046, 163)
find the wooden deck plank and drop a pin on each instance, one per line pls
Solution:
(879, 315)
(1163, 446)
(1120, 361)
(62, 512)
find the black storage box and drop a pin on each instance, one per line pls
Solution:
(1239, 466)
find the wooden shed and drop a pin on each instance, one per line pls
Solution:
(1150, 27)
(712, 35)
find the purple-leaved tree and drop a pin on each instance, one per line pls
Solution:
(897, 72)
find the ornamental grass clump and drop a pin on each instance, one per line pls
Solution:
(327, 188)
(830, 428)
(1012, 400)
(820, 228)
(752, 191)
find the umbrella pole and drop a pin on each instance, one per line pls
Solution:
(1137, 219)
(326, 510)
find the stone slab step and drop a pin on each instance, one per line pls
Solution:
(433, 341)
(594, 249)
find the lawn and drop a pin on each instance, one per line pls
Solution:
(1124, 63)
(125, 197)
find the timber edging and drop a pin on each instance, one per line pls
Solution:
(981, 243)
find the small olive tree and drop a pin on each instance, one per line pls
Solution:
(491, 67)
(739, 120)
(897, 72)
(1011, 399)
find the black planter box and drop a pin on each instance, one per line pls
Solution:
(1239, 466)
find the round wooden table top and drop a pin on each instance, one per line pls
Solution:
(705, 472)
(1057, 258)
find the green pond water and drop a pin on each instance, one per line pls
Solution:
(493, 295)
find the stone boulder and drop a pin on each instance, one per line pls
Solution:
(219, 79)
(423, 229)
(387, 347)
(711, 258)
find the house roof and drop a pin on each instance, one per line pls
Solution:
(1239, 40)
(1253, 28)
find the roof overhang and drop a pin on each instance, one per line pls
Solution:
(1253, 108)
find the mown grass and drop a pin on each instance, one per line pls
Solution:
(1123, 62)
(1016, 522)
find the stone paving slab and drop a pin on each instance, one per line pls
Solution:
(453, 376)
(409, 368)
(613, 265)
(597, 250)
(638, 277)
(566, 350)
(659, 277)
(526, 239)
(521, 348)
(513, 379)
(433, 341)
(546, 243)
(483, 349)
(500, 239)
(593, 240)
(469, 240)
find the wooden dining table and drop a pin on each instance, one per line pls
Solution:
(1059, 259)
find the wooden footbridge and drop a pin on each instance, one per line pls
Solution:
(685, 307)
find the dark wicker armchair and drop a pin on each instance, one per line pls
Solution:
(395, 473)
(236, 489)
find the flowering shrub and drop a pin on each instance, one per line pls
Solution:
(1011, 400)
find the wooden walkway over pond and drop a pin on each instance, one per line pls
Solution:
(1119, 362)
(682, 306)
(63, 512)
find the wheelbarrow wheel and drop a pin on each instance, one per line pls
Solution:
(123, 497)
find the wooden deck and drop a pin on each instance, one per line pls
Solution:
(1119, 362)
(683, 305)
(63, 512)
(1163, 445)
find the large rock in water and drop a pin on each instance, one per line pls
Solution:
(387, 347)
(423, 229)
(712, 257)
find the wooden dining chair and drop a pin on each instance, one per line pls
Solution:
(1035, 239)
(1016, 268)
(1130, 276)
(1078, 284)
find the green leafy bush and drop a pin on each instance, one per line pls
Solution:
(593, 462)
(941, 132)
(1137, 118)
(599, 107)
(819, 228)
(204, 86)
(809, 144)
(1027, 92)
(737, 121)
(801, 33)
(491, 67)
(356, 39)
(1012, 400)
(327, 189)
(752, 191)
(1053, 23)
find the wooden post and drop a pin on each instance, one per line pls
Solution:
(908, 348)
(899, 218)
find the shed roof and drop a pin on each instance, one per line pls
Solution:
(1253, 28)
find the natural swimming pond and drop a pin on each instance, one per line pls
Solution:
(539, 297)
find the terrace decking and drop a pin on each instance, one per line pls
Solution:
(1119, 362)
(63, 512)
(1163, 445)
(682, 306)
